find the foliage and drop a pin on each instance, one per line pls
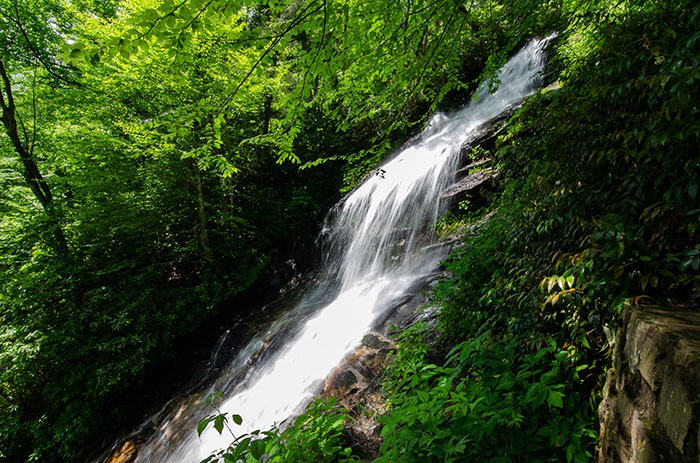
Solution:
(595, 212)
(585, 218)
(407, 360)
(316, 435)
(154, 244)
(158, 127)
(373, 68)
(492, 400)
(151, 134)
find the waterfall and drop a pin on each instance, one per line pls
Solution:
(378, 242)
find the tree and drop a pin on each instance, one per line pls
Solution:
(31, 34)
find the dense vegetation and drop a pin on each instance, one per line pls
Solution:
(599, 210)
(159, 158)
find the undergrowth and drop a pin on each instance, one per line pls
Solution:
(316, 435)
(492, 401)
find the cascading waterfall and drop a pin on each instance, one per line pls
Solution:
(379, 242)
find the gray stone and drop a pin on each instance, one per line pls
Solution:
(345, 378)
(642, 351)
(376, 341)
(675, 410)
(650, 400)
(469, 183)
(642, 451)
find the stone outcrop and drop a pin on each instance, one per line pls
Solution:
(355, 384)
(473, 185)
(475, 179)
(650, 411)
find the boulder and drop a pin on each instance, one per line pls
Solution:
(472, 187)
(476, 177)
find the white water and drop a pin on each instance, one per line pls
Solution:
(379, 243)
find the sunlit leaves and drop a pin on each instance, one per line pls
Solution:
(365, 63)
(198, 93)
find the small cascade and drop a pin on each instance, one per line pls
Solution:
(379, 242)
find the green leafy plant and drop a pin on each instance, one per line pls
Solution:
(493, 400)
(316, 435)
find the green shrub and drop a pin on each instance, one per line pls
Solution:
(493, 400)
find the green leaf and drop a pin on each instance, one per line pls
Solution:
(506, 382)
(536, 394)
(203, 423)
(219, 423)
(555, 399)
(257, 448)
(466, 352)
(570, 281)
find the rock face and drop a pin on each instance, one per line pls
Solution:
(650, 410)
(475, 179)
(477, 182)
(355, 384)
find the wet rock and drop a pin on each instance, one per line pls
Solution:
(355, 385)
(344, 380)
(484, 137)
(126, 453)
(472, 186)
(377, 342)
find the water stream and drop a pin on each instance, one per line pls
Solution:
(378, 242)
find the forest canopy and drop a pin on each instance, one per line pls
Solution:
(161, 158)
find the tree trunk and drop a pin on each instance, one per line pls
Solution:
(201, 212)
(36, 182)
(31, 173)
(267, 114)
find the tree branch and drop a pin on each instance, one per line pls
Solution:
(171, 13)
(298, 20)
(31, 172)
(314, 61)
(36, 52)
(436, 47)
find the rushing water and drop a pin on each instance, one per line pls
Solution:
(378, 243)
